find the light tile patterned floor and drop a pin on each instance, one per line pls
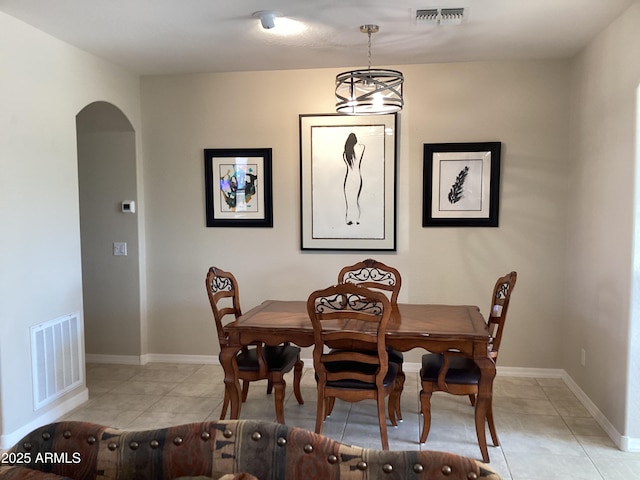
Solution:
(544, 431)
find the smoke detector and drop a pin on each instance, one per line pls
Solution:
(439, 16)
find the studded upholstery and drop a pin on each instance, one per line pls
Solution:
(231, 449)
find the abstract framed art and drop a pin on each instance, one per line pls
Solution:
(461, 184)
(238, 187)
(348, 182)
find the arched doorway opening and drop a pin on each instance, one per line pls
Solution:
(110, 276)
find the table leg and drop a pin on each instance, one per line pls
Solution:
(231, 382)
(483, 402)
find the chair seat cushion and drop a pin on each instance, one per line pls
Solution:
(279, 358)
(395, 356)
(367, 368)
(462, 371)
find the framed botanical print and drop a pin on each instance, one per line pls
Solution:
(461, 184)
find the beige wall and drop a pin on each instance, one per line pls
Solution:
(44, 84)
(111, 284)
(603, 206)
(522, 104)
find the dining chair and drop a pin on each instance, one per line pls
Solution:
(373, 274)
(258, 362)
(456, 373)
(351, 375)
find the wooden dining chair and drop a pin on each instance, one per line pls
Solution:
(351, 375)
(455, 373)
(376, 275)
(258, 362)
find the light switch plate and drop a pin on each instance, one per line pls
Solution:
(120, 248)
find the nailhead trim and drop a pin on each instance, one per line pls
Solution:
(177, 441)
(255, 436)
(134, 445)
(227, 433)
(332, 459)
(91, 440)
(205, 436)
(308, 448)
(446, 470)
(362, 465)
(472, 476)
(67, 434)
(112, 446)
(418, 468)
(46, 436)
(281, 441)
(154, 444)
(27, 446)
(387, 468)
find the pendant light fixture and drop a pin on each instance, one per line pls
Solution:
(369, 92)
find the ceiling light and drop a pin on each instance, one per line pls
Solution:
(371, 91)
(267, 18)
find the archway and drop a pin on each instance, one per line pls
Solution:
(111, 283)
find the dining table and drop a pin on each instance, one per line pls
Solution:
(432, 327)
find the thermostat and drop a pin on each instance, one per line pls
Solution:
(128, 206)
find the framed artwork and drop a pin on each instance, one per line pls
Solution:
(238, 187)
(347, 168)
(461, 184)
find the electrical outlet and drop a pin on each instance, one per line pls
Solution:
(583, 357)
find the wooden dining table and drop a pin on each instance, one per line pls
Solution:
(435, 328)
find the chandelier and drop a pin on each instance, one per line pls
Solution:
(369, 92)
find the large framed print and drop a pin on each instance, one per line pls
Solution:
(238, 187)
(348, 182)
(461, 184)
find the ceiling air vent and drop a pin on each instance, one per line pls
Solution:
(441, 16)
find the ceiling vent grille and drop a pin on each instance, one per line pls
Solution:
(440, 16)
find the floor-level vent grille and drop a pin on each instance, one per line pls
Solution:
(56, 350)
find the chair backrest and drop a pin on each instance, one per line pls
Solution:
(224, 297)
(361, 316)
(499, 305)
(373, 274)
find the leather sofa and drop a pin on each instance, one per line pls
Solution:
(226, 449)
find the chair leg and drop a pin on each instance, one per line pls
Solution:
(245, 390)
(320, 412)
(297, 376)
(279, 386)
(425, 408)
(399, 386)
(269, 386)
(492, 427)
(329, 408)
(225, 405)
(472, 399)
(382, 421)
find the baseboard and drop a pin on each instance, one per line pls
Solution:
(9, 439)
(190, 359)
(114, 359)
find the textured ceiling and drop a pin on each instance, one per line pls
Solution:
(183, 36)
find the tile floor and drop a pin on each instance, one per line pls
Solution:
(544, 431)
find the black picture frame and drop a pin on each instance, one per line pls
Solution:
(461, 184)
(238, 187)
(335, 216)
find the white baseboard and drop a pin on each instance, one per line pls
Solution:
(9, 439)
(113, 359)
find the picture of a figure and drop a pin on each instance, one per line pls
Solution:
(352, 156)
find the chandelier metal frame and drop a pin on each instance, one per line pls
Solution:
(369, 92)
